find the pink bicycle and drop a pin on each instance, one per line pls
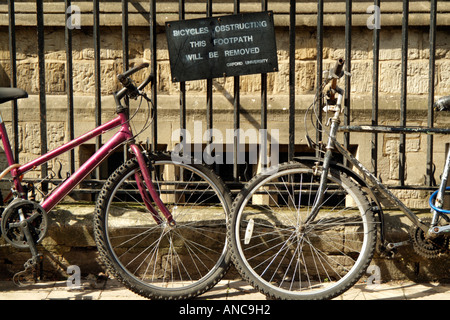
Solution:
(159, 223)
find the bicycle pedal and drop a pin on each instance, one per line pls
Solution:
(388, 254)
(22, 278)
(390, 249)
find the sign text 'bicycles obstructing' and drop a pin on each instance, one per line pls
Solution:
(224, 46)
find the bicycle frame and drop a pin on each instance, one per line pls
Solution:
(123, 135)
(334, 144)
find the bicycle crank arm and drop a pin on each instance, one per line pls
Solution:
(438, 230)
(394, 245)
(24, 226)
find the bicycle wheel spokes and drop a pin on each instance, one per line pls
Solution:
(282, 254)
(169, 261)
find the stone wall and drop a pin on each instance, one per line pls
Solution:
(278, 90)
(70, 239)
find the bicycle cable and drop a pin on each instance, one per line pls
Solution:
(150, 115)
(316, 123)
(320, 126)
(148, 121)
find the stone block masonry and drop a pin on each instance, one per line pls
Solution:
(250, 86)
(70, 241)
(278, 88)
(70, 238)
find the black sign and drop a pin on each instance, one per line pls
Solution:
(222, 46)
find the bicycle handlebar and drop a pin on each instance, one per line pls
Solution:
(149, 79)
(129, 87)
(124, 76)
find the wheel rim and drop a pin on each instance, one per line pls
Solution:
(297, 266)
(173, 258)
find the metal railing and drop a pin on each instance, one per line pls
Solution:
(152, 18)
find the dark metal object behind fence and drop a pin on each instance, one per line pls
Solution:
(209, 11)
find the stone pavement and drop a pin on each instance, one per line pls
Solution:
(229, 290)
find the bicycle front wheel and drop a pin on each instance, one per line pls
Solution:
(151, 257)
(286, 256)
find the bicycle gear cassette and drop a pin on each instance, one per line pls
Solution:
(23, 213)
(428, 248)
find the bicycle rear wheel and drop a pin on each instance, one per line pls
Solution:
(156, 260)
(285, 257)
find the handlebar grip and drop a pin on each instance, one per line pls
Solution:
(123, 76)
(337, 70)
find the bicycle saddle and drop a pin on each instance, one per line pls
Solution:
(8, 94)
(443, 104)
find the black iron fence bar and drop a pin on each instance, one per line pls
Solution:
(348, 66)
(125, 42)
(237, 109)
(42, 98)
(431, 77)
(125, 54)
(319, 68)
(97, 75)
(292, 20)
(69, 83)
(182, 16)
(375, 77)
(264, 7)
(154, 71)
(12, 55)
(209, 87)
(404, 90)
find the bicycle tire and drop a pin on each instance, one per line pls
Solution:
(283, 257)
(184, 261)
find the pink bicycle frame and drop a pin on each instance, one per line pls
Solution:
(67, 186)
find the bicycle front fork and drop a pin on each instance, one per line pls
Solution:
(152, 193)
(326, 164)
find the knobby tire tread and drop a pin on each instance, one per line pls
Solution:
(250, 278)
(106, 257)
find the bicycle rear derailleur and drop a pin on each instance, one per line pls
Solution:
(24, 224)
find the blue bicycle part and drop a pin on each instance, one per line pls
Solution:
(431, 201)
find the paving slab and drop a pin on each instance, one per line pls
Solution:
(226, 290)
